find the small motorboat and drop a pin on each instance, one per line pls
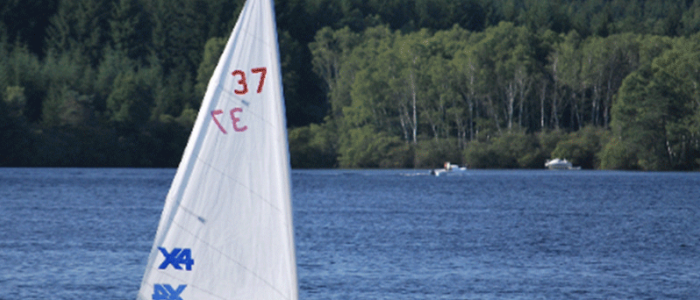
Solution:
(560, 164)
(449, 169)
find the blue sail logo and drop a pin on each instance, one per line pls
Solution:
(176, 258)
(167, 292)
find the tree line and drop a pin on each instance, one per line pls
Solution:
(507, 97)
(501, 83)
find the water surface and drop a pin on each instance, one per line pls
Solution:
(381, 234)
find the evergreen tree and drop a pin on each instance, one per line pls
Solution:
(26, 22)
(179, 34)
(130, 102)
(655, 114)
(81, 27)
(131, 30)
(690, 21)
(22, 69)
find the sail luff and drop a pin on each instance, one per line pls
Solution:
(284, 143)
(226, 228)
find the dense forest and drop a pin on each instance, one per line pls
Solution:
(607, 84)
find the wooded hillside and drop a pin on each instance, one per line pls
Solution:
(409, 83)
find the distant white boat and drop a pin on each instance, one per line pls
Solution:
(560, 164)
(449, 169)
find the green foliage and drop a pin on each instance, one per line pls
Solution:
(185, 120)
(212, 53)
(400, 83)
(481, 155)
(443, 14)
(77, 147)
(518, 150)
(130, 30)
(160, 144)
(434, 153)
(25, 22)
(365, 147)
(655, 114)
(618, 155)
(22, 69)
(690, 21)
(80, 26)
(15, 101)
(312, 146)
(14, 135)
(173, 95)
(515, 149)
(582, 147)
(113, 64)
(481, 87)
(549, 139)
(130, 101)
(179, 33)
(65, 106)
(330, 50)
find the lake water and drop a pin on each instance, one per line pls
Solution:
(380, 234)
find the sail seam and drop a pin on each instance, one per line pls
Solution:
(254, 36)
(230, 259)
(263, 262)
(260, 197)
(233, 97)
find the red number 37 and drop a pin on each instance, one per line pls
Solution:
(242, 81)
(244, 90)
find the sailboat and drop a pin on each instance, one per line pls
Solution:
(226, 227)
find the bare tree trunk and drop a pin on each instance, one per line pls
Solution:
(575, 113)
(607, 103)
(472, 93)
(520, 109)
(404, 126)
(594, 106)
(494, 112)
(471, 120)
(461, 131)
(460, 123)
(510, 96)
(543, 96)
(524, 84)
(555, 113)
(415, 114)
(555, 98)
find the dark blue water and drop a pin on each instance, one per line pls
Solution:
(86, 233)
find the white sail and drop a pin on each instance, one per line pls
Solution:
(226, 228)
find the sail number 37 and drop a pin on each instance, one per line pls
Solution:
(241, 89)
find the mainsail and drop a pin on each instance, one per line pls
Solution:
(226, 227)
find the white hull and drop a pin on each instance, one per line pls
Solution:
(449, 169)
(560, 164)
